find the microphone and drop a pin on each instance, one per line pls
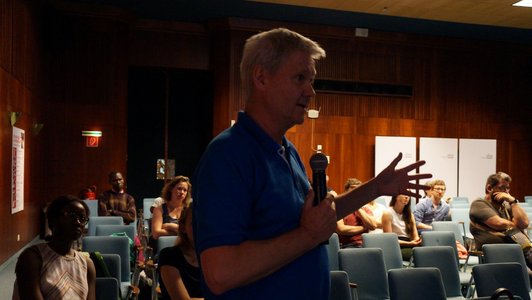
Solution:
(318, 164)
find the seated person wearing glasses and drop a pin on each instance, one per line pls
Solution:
(54, 270)
(432, 208)
(497, 212)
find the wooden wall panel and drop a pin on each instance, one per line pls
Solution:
(21, 86)
(6, 34)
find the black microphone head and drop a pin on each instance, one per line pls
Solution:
(318, 162)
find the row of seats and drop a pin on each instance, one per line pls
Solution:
(366, 268)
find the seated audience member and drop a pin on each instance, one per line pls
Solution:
(375, 210)
(165, 218)
(178, 266)
(432, 208)
(352, 226)
(88, 193)
(54, 270)
(116, 202)
(398, 218)
(496, 213)
(156, 203)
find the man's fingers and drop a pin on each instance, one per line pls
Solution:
(310, 199)
(395, 161)
(412, 166)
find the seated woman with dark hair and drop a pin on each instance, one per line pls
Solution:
(54, 270)
(178, 265)
(399, 218)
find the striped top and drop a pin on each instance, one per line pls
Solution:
(62, 277)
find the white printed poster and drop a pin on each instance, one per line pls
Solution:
(477, 161)
(17, 170)
(441, 155)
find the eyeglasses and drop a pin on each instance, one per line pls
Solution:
(82, 220)
(439, 189)
(502, 188)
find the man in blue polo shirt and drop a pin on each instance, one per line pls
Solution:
(257, 234)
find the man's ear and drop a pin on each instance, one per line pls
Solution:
(489, 188)
(259, 76)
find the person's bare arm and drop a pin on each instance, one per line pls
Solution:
(423, 226)
(157, 229)
(386, 222)
(91, 279)
(253, 260)
(367, 220)
(389, 182)
(28, 270)
(519, 216)
(174, 284)
(348, 230)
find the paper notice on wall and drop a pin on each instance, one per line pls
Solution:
(17, 170)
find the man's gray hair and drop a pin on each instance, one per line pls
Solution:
(269, 49)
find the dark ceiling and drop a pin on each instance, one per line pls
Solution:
(205, 10)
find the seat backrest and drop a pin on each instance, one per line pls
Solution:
(93, 207)
(165, 241)
(111, 245)
(130, 231)
(453, 226)
(366, 268)
(498, 253)
(106, 288)
(441, 257)
(491, 276)
(340, 289)
(389, 243)
(461, 214)
(416, 284)
(112, 264)
(460, 199)
(104, 220)
(332, 250)
(440, 238)
(146, 204)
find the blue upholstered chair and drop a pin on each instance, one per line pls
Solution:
(93, 207)
(389, 243)
(332, 250)
(491, 276)
(365, 268)
(416, 284)
(105, 220)
(340, 289)
(112, 245)
(443, 258)
(107, 288)
(129, 230)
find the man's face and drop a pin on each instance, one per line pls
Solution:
(117, 182)
(502, 187)
(438, 191)
(289, 90)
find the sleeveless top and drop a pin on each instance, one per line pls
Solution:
(166, 216)
(398, 224)
(62, 277)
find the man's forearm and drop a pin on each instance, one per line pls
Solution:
(353, 200)
(252, 260)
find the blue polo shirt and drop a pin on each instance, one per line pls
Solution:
(248, 187)
(426, 213)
